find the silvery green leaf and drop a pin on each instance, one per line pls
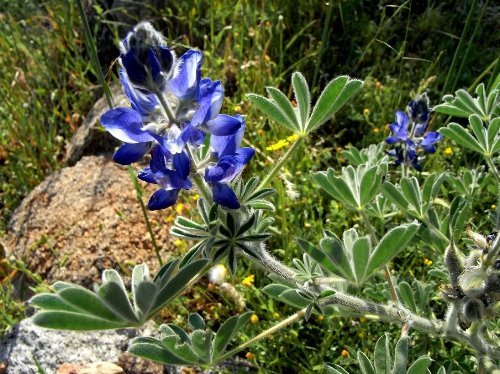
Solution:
(334, 369)
(335, 94)
(394, 241)
(302, 97)
(420, 366)
(178, 281)
(457, 133)
(285, 105)
(195, 322)
(201, 343)
(226, 333)
(271, 109)
(382, 355)
(364, 364)
(405, 293)
(401, 356)
(155, 350)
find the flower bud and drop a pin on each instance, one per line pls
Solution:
(454, 265)
(419, 108)
(146, 59)
(472, 310)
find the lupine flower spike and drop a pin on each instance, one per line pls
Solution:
(172, 110)
(408, 133)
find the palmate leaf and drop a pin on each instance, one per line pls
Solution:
(463, 104)
(353, 258)
(201, 346)
(301, 120)
(73, 307)
(355, 187)
(335, 94)
(383, 362)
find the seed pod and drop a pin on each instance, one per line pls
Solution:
(473, 282)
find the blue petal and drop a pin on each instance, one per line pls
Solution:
(431, 138)
(402, 119)
(162, 199)
(129, 153)
(227, 145)
(210, 97)
(125, 124)
(392, 140)
(166, 58)
(185, 84)
(154, 64)
(158, 159)
(135, 70)
(224, 125)
(145, 104)
(224, 195)
(420, 128)
(146, 175)
(182, 164)
(244, 155)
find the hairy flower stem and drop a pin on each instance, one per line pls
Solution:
(167, 109)
(202, 188)
(264, 334)
(374, 239)
(281, 162)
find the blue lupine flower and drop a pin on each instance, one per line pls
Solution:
(399, 129)
(146, 58)
(231, 159)
(429, 140)
(170, 172)
(159, 88)
(407, 132)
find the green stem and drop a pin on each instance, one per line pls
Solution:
(493, 168)
(167, 109)
(145, 213)
(288, 321)
(202, 188)
(281, 162)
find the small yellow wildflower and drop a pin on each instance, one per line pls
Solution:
(493, 206)
(320, 318)
(427, 262)
(250, 356)
(362, 319)
(248, 281)
(344, 353)
(387, 126)
(448, 151)
(260, 132)
(276, 315)
(378, 85)
(169, 219)
(366, 112)
(292, 138)
(376, 130)
(237, 108)
(179, 208)
(254, 319)
(196, 197)
(178, 242)
(280, 144)
(267, 58)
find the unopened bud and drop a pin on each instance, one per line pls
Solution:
(146, 58)
(478, 239)
(472, 310)
(454, 265)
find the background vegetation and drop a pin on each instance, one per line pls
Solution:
(47, 83)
